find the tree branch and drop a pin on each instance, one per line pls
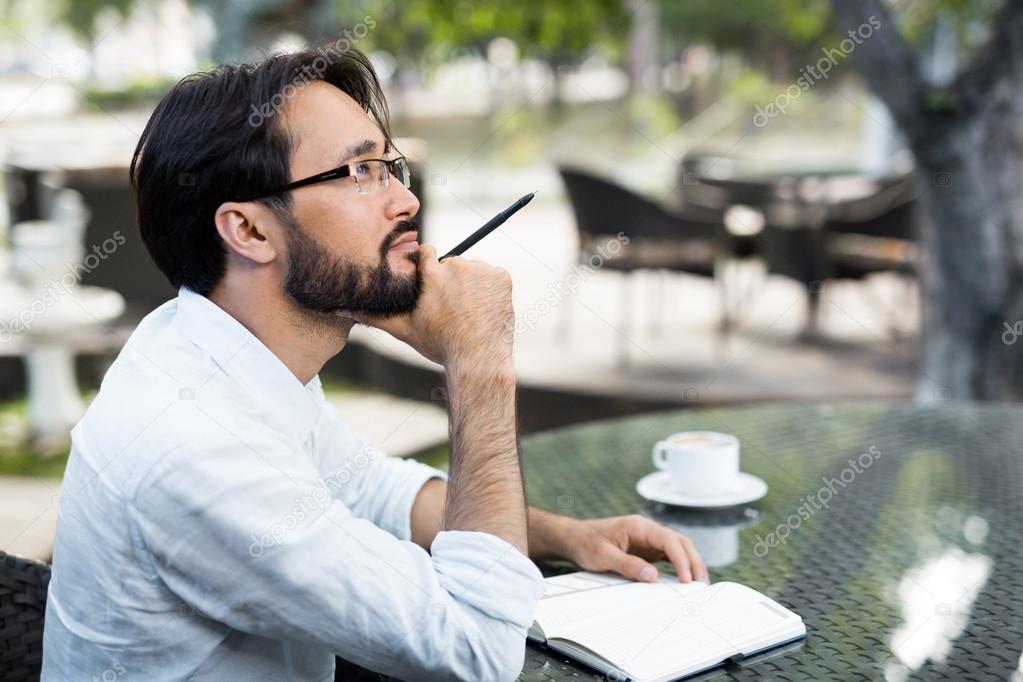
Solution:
(885, 60)
(999, 61)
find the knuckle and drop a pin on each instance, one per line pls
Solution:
(605, 557)
(430, 270)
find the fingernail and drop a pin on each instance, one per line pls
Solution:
(705, 579)
(648, 573)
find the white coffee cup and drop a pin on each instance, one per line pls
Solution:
(701, 463)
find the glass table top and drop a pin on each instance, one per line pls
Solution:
(894, 530)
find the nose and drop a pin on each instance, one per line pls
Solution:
(401, 202)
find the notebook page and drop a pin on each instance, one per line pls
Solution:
(567, 583)
(650, 629)
(580, 580)
(726, 619)
(684, 629)
(567, 606)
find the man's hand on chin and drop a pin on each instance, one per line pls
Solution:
(463, 316)
(627, 545)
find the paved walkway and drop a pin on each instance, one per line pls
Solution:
(28, 516)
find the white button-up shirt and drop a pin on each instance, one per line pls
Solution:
(218, 521)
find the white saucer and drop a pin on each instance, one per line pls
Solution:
(657, 487)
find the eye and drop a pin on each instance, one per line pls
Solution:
(363, 169)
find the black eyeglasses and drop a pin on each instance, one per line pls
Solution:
(370, 175)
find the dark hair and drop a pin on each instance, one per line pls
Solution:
(218, 136)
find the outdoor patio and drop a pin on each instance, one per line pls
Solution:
(763, 351)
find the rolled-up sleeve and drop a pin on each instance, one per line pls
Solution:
(247, 537)
(370, 483)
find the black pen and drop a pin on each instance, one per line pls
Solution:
(491, 225)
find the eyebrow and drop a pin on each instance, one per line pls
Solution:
(359, 148)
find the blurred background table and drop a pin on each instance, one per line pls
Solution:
(911, 570)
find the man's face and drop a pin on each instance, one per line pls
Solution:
(343, 250)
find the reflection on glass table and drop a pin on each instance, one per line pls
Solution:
(893, 530)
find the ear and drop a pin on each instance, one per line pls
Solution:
(246, 228)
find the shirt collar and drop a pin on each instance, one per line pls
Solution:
(288, 406)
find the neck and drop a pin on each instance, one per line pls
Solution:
(302, 341)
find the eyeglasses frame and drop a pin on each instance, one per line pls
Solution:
(344, 171)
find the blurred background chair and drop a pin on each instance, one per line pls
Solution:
(873, 235)
(707, 192)
(650, 237)
(23, 585)
(812, 238)
(810, 228)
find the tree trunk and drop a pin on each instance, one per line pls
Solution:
(967, 139)
(970, 174)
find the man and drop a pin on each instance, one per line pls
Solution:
(218, 521)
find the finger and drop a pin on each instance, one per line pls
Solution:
(695, 560)
(670, 543)
(677, 548)
(631, 566)
(427, 255)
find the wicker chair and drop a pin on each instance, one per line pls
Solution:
(23, 585)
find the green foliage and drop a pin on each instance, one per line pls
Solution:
(800, 28)
(779, 35)
(23, 461)
(18, 458)
(559, 30)
(751, 87)
(741, 24)
(139, 93)
(80, 15)
(918, 18)
(747, 25)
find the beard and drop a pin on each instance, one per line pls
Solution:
(322, 282)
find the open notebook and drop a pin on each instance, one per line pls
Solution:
(655, 632)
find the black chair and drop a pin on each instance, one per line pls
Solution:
(658, 239)
(23, 585)
(873, 234)
(706, 195)
(815, 242)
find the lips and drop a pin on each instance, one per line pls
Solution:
(407, 242)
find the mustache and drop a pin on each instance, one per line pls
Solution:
(400, 230)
